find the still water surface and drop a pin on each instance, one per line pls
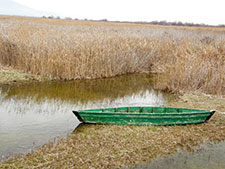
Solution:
(209, 156)
(36, 113)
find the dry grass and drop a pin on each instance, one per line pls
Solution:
(111, 146)
(10, 76)
(191, 59)
(97, 146)
(197, 66)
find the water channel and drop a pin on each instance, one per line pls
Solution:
(34, 114)
(209, 156)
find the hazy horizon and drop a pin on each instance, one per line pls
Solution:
(132, 11)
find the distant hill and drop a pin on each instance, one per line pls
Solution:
(8, 7)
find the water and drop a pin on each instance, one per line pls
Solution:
(36, 113)
(210, 156)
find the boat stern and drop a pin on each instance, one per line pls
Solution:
(76, 113)
(211, 113)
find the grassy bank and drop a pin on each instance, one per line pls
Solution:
(111, 146)
(11, 76)
(189, 58)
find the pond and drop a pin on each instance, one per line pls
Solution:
(34, 114)
(209, 156)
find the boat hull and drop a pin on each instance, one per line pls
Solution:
(144, 116)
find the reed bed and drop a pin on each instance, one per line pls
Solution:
(188, 59)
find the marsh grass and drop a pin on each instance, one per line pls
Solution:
(188, 59)
(113, 146)
(191, 59)
(101, 146)
(11, 76)
(196, 68)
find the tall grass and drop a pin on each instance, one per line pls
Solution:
(196, 67)
(189, 58)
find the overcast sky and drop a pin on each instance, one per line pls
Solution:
(196, 11)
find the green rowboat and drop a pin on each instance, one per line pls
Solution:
(144, 116)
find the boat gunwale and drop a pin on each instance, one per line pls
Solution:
(186, 113)
(145, 113)
(186, 110)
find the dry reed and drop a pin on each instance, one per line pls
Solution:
(190, 58)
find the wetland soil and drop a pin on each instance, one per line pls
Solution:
(111, 146)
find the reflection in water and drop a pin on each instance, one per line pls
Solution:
(33, 114)
(26, 124)
(205, 157)
(84, 90)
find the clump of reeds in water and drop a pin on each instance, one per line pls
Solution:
(189, 58)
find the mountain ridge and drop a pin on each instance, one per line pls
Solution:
(9, 7)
